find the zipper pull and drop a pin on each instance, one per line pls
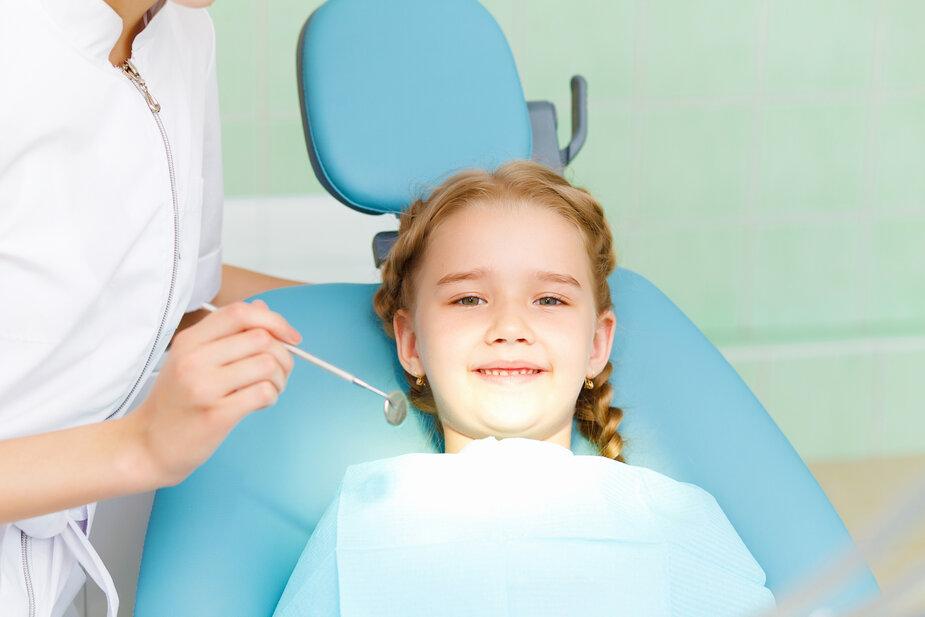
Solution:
(132, 73)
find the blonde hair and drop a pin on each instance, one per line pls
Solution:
(524, 182)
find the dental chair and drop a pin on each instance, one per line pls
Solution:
(395, 97)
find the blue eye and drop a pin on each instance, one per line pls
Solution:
(469, 301)
(549, 301)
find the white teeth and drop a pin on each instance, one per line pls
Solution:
(507, 373)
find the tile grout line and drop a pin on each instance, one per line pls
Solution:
(745, 311)
(872, 161)
(873, 345)
(261, 28)
(635, 107)
(865, 215)
(864, 235)
(806, 99)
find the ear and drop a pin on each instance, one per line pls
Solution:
(602, 342)
(406, 343)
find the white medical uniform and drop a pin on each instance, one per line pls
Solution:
(105, 241)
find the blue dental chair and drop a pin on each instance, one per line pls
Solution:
(395, 97)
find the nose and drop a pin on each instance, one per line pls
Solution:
(508, 325)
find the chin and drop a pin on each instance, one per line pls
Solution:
(505, 422)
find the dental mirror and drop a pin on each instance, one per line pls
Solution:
(396, 404)
(396, 407)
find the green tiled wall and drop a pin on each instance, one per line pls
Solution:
(850, 404)
(760, 160)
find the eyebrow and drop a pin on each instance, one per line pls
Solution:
(555, 277)
(543, 275)
(455, 277)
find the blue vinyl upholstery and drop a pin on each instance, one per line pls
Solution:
(398, 95)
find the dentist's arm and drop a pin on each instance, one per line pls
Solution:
(220, 370)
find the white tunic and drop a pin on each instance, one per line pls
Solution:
(106, 239)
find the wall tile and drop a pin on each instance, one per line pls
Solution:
(237, 58)
(553, 42)
(285, 20)
(824, 405)
(824, 47)
(805, 279)
(899, 152)
(897, 292)
(699, 269)
(811, 159)
(902, 395)
(290, 171)
(698, 49)
(902, 45)
(694, 163)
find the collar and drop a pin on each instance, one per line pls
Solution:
(152, 24)
(93, 27)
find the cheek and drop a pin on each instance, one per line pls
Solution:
(570, 345)
(443, 344)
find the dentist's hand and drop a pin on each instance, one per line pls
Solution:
(218, 371)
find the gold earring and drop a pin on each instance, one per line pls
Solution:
(589, 385)
(420, 380)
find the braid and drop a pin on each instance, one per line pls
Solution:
(597, 420)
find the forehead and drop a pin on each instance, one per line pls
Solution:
(507, 239)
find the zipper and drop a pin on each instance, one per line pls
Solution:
(133, 75)
(25, 547)
(129, 70)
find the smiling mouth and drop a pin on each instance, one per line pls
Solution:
(509, 375)
(512, 372)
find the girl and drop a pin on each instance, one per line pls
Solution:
(496, 295)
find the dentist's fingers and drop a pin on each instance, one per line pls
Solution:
(247, 400)
(238, 346)
(250, 371)
(234, 318)
(219, 370)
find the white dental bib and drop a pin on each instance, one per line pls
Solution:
(521, 527)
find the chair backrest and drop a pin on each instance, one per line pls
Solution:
(398, 95)
(225, 541)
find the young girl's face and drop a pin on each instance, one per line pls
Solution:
(504, 324)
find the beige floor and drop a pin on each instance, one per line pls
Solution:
(862, 491)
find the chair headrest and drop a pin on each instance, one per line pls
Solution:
(396, 96)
